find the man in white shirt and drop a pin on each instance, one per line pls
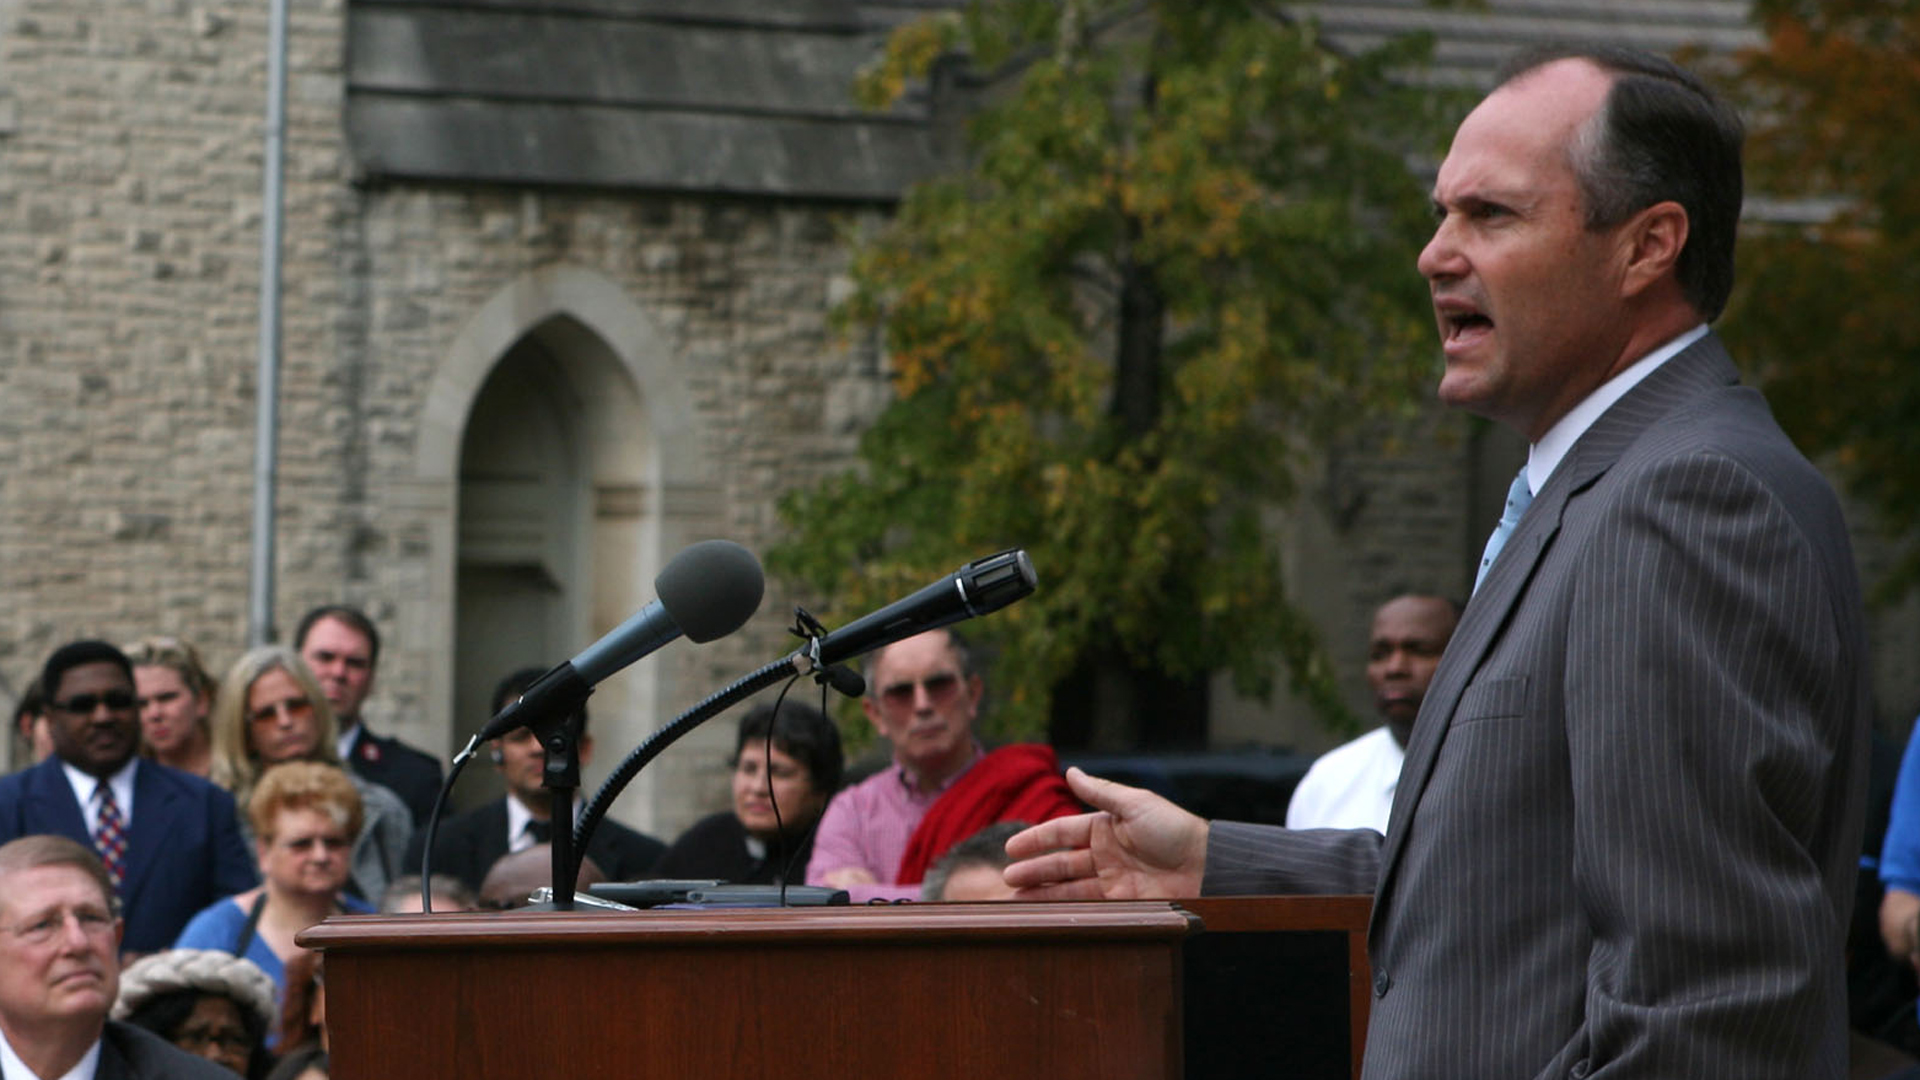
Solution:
(60, 972)
(1351, 786)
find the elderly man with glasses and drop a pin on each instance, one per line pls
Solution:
(170, 840)
(879, 836)
(59, 974)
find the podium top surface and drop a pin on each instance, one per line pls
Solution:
(1107, 921)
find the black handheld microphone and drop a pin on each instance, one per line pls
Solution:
(981, 586)
(707, 591)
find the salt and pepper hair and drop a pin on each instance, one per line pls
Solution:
(1661, 135)
(801, 732)
(962, 655)
(988, 848)
(45, 849)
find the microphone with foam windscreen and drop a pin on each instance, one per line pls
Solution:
(707, 591)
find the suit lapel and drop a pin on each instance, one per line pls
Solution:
(53, 808)
(489, 840)
(1486, 614)
(156, 812)
(113, 1064)
(1702, 366)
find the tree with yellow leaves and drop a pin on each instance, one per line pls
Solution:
(1178, 259)
(1826, 302)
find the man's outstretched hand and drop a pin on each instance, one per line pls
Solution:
(1134, 846)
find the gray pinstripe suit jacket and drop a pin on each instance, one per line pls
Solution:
(1623, 841)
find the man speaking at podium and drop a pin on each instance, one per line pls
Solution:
(1623, 842)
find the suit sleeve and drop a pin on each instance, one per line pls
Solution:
(1711, 704)
(233, 866)
(1265, 860)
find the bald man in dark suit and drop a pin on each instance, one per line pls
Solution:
(1623, 841)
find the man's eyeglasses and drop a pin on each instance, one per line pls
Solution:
(940, 689)
(84, 704)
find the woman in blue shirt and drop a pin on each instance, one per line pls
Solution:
(305, 816)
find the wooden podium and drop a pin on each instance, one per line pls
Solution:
(1047, 991)
(1276, 986)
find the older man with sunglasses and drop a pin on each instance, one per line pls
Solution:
(170, 840)
(879, 836)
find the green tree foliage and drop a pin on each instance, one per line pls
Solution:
(1828, 308)
(1178, 260)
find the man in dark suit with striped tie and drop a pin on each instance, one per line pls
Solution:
(170, 840)
(1623, 841)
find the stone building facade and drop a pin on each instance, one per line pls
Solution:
(549, 315)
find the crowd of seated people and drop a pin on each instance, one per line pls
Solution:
(228, 816)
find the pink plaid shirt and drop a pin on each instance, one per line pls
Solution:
(868, 825)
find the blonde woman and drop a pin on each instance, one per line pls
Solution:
(270, 711)
(175, 694)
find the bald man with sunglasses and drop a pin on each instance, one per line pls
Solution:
(878, 837)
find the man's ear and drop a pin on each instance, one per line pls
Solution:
(1654, 238)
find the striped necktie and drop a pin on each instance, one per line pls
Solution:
(1519, 496)
(110, 835)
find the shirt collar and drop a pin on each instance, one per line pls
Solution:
(348, 733)
(87, 1067)
(86, 784)
(517, 817)
(1545, 456)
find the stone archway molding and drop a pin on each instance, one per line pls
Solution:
(677, 498)
(600, 305)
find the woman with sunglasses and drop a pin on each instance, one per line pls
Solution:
(270, 710)
(304, 815)
(175, 694)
